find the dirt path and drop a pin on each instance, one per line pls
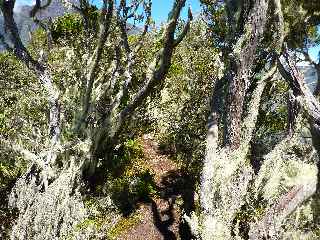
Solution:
(160, 218)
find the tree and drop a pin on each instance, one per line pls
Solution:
(260, 169)
(228, 184)
(48, 195)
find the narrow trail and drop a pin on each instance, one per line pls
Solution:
(160, 218)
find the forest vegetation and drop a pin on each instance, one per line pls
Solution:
(204, 127)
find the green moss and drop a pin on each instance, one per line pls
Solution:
(175, 69)
(133, 39)
(124, 224)
(89, 222)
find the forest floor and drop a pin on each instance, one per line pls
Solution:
(160, 217)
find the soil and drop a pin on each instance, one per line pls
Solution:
(161, 216)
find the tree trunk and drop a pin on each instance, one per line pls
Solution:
(226, 174)
(239, 70)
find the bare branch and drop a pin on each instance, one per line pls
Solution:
(38, 7)
(18, 48)
(307, 58)
(130, 55)
(185, 29)
(270, 224)
(297, 84)
(147, 23)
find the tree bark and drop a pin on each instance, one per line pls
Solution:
(241, 63)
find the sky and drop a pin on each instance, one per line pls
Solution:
(160, 8)
(314, 53)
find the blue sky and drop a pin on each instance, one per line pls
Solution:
(314, 52)
(160, 8)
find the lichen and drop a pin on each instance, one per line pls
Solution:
(49, 214)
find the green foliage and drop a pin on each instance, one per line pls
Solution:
(179, 114)
(11, 167)
(301, 23)
(22, 104)
(128, 178)
(273, 114)
(66, 26)
(38, 40)
(250, 212)
(22, 117)
(72, 24)
(217, 25)
(127, 153)
(129, 190)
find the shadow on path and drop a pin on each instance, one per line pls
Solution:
(162, 214)
(168, 220)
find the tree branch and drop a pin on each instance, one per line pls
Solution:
(279, 22)
(129, 54)
(242, 60)
(249, 123)
(185, 29)
(300, 90)
(93, 63)
(27, 155)
(307, 58)
(38, 7)
(5, 44)
(270, 224)
(158, 68)
(147, 23)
